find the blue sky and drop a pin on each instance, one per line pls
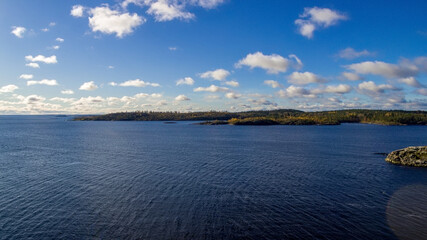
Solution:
(197, 55)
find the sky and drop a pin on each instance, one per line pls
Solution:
(100, 56)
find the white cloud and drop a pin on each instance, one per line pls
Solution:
(421, 62)
(263, 102)
(315, 17)
(182, 98)
(64, 100)
(56, 47)
(173, 48)
(351, 76)
(271, 63)
(59, 39)
(411, 81)
(209, 4)
(47, 82)
(185, 81)
(387, 70)
(26, 76)
(88, 86)
(232, 83)
(110, 67)
(273, 84)
(422, 91)
(45, 29)
(140, 3)
(211, 88)
(145, 95)
(303, 78)
(8, 88)
(52, 24)
(341, 89)
(166, 10)
(18, 31)
(89, 100)
(112, 84)
(371, 87)
(350, 53)
(77, 11)
(293, 91)
(108, 21)
(232, 95)
(41, 58)
(219, 74)
(32, 99)
(67, 92)
(138, 83)
(33, 65)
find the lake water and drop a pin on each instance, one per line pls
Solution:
(149, 180)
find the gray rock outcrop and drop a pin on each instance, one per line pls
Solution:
(410, 156)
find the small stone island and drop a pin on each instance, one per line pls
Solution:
(410, 156)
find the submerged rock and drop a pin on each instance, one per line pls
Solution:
(410, 156)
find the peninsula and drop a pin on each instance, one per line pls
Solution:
(273, 117)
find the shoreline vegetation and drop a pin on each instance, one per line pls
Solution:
(273, 117)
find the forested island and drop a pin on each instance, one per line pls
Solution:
(273, 117)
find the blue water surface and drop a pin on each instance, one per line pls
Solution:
(62, 179)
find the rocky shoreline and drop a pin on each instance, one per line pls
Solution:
(410, 156)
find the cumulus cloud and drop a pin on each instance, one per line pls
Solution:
(182, 98)
(108, 21)
(232, 83)
(41, 58)
(341, 89)
(386, 70)
(166, 10)
(262, 102)
(219, 74)
(211, 88)
(422, 91)
(26, 76)
(18, 31)
(421, 62)
(350, 53)
(31, 99)
(67, 92)
(207, 3)
(411, 81)
(88, 86)
(371, 87)
(293, 91)
(185, 81)
(64, 100)
(232, 95)
(8, 88)
(47, 82)
(59, 39)
(351, 76)
(33, 65)
(56, 47)
(315, 18)
(138, 83)
(303, 78)
(271, 63)
(77, 11)
(273, 84)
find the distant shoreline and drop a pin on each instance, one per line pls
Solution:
(274, 117)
